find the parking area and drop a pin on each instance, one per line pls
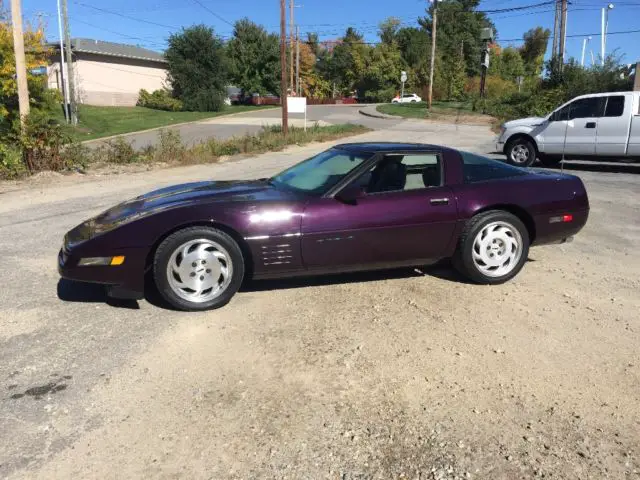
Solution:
(411, 373)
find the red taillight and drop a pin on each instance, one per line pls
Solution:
(561, 219)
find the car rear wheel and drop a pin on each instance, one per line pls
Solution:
(493, 248)
(198, 268)
(521, 152)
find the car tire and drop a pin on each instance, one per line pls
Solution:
(550, 160)
(198, 268)
(521, 152)
(492, 248)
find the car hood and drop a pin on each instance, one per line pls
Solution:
(525, 122)
(173, 197)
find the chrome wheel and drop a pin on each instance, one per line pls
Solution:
(199, 270)
(520, 153)
(497, 249)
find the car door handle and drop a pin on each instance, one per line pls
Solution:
(439, 201)
(590, 125)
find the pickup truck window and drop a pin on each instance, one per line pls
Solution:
(587, 107)
(615, 106)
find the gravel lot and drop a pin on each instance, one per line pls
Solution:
(404, 374)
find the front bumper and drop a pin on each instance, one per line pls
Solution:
(126, 277)
(499, 146)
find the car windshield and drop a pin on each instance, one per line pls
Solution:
(318, 174)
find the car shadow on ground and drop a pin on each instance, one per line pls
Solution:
(79, 292)
(442, 270)
(608, 167)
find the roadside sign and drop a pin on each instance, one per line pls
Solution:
(298, 105)
(38, 71)
(403, 76)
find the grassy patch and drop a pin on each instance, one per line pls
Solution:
(97, 122)
(171, 150)
(438, 110)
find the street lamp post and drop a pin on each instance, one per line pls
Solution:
(605, 27)
(585, 41)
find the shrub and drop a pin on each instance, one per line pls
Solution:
(159, 100)
(11, 162)
(41, 141)
(117, 151)
(170, 147)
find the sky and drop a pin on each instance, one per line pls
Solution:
(148, 23)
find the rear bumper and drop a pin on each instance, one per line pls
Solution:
(128, 277)
(548, 233)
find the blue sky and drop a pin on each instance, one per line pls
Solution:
(328, 17)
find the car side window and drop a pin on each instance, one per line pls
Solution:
(615, 106)
(400, 172)
(477, 168)
(587, 108)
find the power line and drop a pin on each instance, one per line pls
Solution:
(213, 13)
(146, 41)
(111, 12)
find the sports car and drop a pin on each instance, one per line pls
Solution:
(356, 206)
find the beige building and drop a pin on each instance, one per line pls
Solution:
(110, 74)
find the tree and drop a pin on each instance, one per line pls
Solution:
(389, 30)
(36, 54)
(459, 25)
(507, 64)
(533, 50)
(415, 46)
(380, 79)
(345, 67)
(254, 58)
(198, 70)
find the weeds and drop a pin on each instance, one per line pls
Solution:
(170, 149)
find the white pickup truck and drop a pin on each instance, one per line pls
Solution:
(604, 126)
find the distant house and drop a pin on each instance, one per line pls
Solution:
(110, 73)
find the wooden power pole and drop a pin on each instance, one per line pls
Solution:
(556, 25)
(21, 66)
(433, 52)
(283, 68)
(73, 107)
(291, 29)
(563, 31)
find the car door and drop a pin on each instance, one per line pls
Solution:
(613, 127)
(412, 221)
(582, 126)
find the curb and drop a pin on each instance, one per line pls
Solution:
(373, 113)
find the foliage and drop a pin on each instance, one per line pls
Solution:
(380, 80)
(254, 58)
(159, 100)
(36, 54)
(11, 162)
(495, 87)
(459, 25)
(508, 64)
(198, 69)
(533, 50)
(414, 44)
(170, 146)
(346, 65)
(389, 30)
(41, 141)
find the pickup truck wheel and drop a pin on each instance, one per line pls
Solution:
(550, 160)
(521, 152)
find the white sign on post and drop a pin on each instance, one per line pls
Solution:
(403, 76)
(298, 105)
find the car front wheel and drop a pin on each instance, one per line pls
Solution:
(493, 248)
(521, 152)
(198, 268)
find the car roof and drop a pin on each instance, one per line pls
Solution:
(373, 147)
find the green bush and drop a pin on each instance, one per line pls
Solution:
(76, 156)
(11, 162)
(41, 141)
(159, 100)
(170, 147)
(117, 151)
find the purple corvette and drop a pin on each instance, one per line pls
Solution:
(354, 207)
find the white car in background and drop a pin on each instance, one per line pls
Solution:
(407, 98)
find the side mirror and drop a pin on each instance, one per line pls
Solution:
(350, 194)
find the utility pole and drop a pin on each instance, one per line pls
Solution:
(21, 67)
(433, 52)
(556, 25)
(70, 77)
(283, 68)
(563, 31)
(291, 30)
(297, 60)
(64, 74)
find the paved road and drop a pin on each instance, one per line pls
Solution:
(252, 122)
(289, 378)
